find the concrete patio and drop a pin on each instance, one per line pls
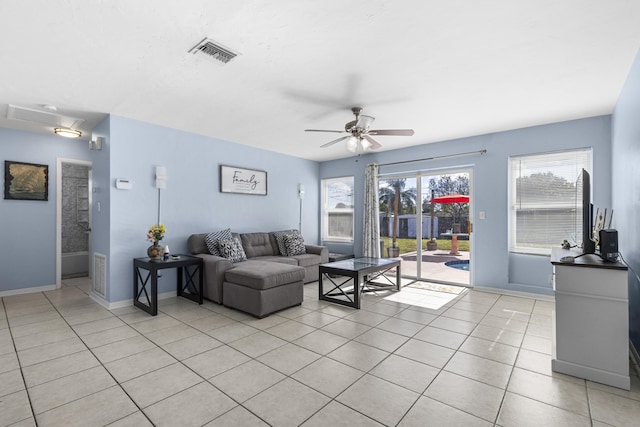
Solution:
(434, 268)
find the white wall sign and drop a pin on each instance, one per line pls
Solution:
(241, 180)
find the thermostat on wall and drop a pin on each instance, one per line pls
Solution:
(123, 184)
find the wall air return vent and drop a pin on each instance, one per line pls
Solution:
(214, 50)
(100, 274)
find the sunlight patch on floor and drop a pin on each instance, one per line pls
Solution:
(425, 298)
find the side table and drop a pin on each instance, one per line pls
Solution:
(188, 267)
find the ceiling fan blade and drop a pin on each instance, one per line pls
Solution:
(335, 141)
(374, 144)
(364, 121)
(323, 130)
(396, 132)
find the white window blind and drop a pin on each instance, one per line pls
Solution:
(337, 209)
(545, 207)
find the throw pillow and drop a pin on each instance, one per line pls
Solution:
(232, 250)
(212, 239)
(279, 235)
(294, 244)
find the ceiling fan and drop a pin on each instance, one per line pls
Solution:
(359, 138)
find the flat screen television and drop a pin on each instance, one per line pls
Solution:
(588, 244)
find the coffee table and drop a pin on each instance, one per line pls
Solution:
(349, 278)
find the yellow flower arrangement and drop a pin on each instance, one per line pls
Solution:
(156, 233)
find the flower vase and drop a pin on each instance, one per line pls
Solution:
(155, 252)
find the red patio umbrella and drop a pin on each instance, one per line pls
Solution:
(448, 199)
(451, 198)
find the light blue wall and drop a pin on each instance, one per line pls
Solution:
(192, 201)
(494, 266)
(28, 228)
(626, 187)
(101, 206)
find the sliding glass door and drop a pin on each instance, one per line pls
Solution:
(432, 239)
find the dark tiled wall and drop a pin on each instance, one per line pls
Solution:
(75, 208)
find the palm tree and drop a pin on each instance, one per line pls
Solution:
(395, 195)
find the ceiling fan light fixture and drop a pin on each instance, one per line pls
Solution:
(364, 122)
(67, 133)
(359, 133)
(352, 144)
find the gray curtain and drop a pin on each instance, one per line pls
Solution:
(371, 235)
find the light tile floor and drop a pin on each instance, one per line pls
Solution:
(414, 358)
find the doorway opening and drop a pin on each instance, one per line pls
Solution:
(73, 221)
(433, 240)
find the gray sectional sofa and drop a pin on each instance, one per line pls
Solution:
(266, 282)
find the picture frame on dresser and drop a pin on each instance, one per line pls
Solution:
(242, 180)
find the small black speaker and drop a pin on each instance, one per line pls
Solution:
(609, 245)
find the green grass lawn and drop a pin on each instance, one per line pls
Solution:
(409, 245)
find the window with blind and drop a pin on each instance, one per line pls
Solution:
(545, 202)
(337, 209)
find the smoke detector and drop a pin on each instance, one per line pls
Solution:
(214, 50)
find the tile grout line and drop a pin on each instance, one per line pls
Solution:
(349, 341)
(494, 422)
(286, 376)
(204, 380)
(289, 376)
(389, 355)
(331, 399)
(99, 361)
(538, 373)
(24, 383)
(513, 367)
(207, 380)
(353, 339)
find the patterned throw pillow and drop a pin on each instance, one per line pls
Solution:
(279, 235)
(294, 244)
(212, 239)
(232, 250)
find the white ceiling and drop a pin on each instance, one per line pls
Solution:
(447, 69)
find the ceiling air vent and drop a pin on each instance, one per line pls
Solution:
(214, 50)
(46, 118)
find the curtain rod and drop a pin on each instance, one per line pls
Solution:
(468, 153)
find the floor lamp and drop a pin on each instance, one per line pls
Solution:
(300, 196)
(161, 183)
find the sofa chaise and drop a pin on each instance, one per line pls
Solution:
(266, 277)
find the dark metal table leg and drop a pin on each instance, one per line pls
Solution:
(154, 292)
(356, 290)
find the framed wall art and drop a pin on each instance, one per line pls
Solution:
(243, 181)
(26, 181)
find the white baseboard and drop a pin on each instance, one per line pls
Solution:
(602, 376)
(99, 299)
(127, 302)
(529, 289)
(635, 357)
(510, 292)
(28, 290)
